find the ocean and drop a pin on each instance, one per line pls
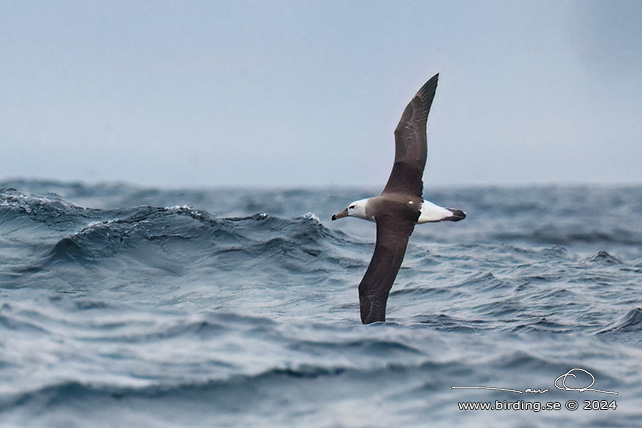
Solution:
(124, 306)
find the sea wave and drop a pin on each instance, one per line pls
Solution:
(165, 237)
(123, 306)
(630, 323)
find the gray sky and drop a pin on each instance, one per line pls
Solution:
(308, 93)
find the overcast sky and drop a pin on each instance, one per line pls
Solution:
(308, 93)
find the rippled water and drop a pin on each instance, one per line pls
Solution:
(123, 306)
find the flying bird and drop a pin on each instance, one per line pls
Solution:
(399, 207)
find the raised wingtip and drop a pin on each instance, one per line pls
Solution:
(429, 88)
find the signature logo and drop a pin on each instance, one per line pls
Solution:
(560, 383)
(563, 386)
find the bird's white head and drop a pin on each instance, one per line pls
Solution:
(355, 209)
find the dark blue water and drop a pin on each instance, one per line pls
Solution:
(123, 306)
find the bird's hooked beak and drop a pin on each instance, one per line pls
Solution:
(342, 214)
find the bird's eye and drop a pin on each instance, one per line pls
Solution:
(351, 207)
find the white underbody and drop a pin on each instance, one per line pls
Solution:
(431, 213)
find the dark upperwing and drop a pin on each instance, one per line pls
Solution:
(393, 232)
(411, 147)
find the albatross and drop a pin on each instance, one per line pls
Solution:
(399, 207)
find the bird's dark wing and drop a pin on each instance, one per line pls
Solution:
(411, 148)
(392, 240)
